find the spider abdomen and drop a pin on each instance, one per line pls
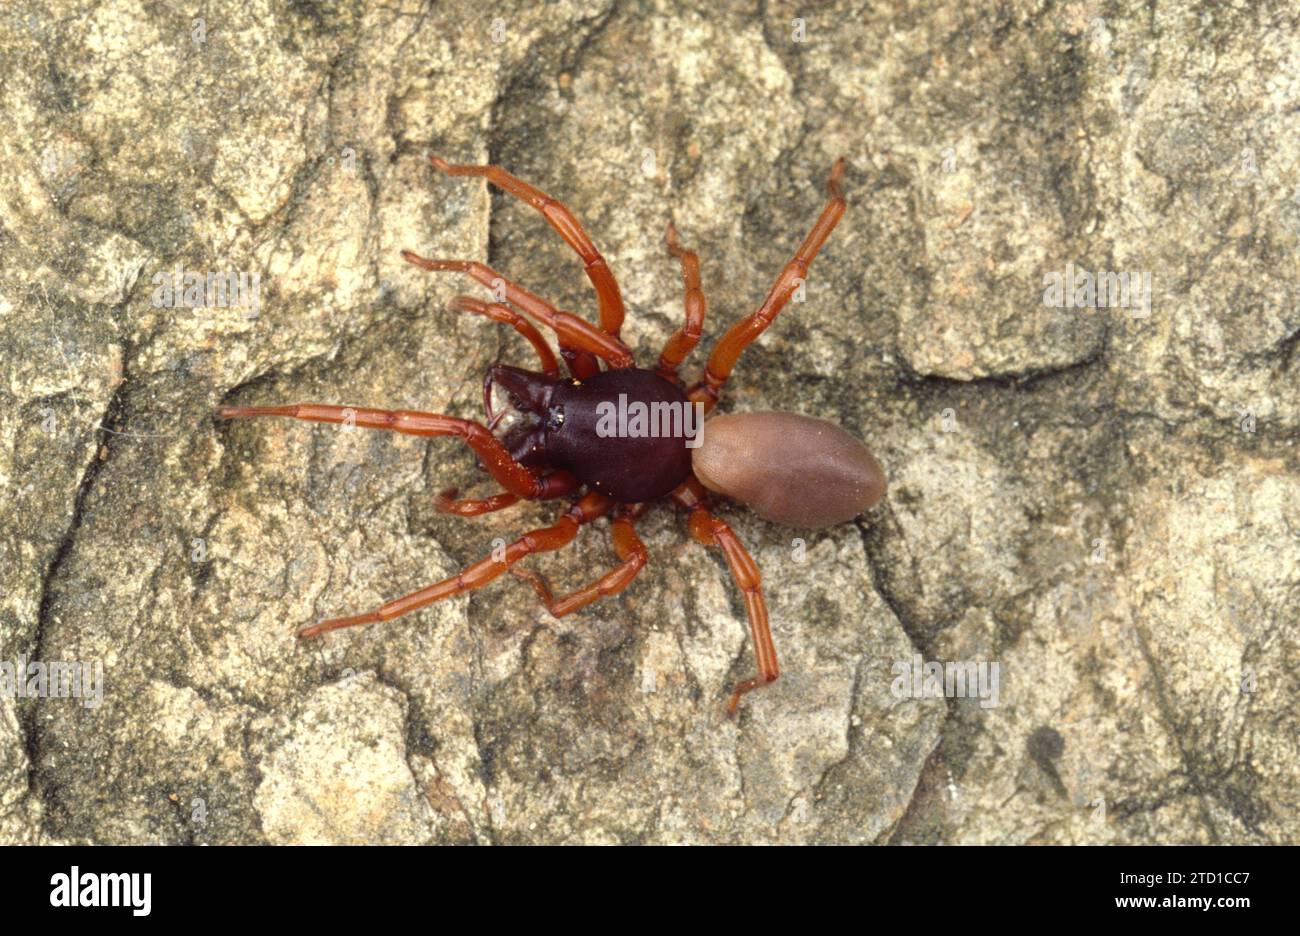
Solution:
(790, 469)
(623, 433)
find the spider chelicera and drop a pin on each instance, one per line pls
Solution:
(791, 469)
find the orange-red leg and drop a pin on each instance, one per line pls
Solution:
(581, 364)
(556, 484)
(480, 573)
(687, 337)
(504, 314)
(710, 531)
(727, 351)
(572, 332)
(446, 503)
(511, 475)
(630, 550)
(566, 225)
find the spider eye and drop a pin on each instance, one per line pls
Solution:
(554, 418)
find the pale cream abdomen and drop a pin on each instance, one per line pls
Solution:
(788, 468)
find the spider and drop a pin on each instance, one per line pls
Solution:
(789, 468)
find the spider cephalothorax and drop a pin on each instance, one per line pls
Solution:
(626, 434)
(568, 430)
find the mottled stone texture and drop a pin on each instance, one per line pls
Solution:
(1105, 504)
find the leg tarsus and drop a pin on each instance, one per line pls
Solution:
(756, 682)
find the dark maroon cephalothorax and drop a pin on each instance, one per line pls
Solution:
(571, 429)
(629, 435)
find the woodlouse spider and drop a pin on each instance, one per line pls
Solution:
(789, 468)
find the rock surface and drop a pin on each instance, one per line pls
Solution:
(1105, 502)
